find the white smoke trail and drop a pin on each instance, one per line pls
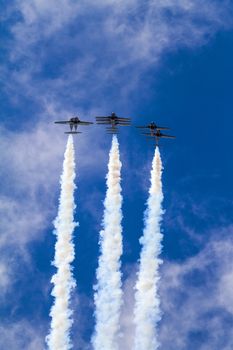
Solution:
(59, 337)
(108, 296)
(147, 307)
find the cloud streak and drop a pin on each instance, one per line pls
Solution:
(199, 289)
(130, 39)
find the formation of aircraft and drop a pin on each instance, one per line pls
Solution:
(155, 132)
(113, 121)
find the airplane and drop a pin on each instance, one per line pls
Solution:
(113, 120)
(157, 135)
(73, 123)
(152, 126)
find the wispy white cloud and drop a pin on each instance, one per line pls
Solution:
(108, 44)
(5, 278)
(21, 335)
(195, 299)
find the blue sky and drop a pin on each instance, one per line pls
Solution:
(167, 61)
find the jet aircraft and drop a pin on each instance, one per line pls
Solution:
(153, 127)
(73, 123)
(113, 121)
(157, 135)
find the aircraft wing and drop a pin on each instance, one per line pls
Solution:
(103, 122)
(157, 127)
(168, 136)
(63, 122)
(123, 119)
(115, 118)
(72, 132)
(84, 123)
(103, 118)
(162, 128)
(116, 122)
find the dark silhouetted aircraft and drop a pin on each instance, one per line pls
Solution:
(113, 121)
(153, 127)
(157, 135)
(73, 123)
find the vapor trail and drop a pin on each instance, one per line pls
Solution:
(108, 296)
(59, 337)
(147, 307)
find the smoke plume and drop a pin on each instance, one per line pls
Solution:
(147, 303)
(59, 337)
(108, 296)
